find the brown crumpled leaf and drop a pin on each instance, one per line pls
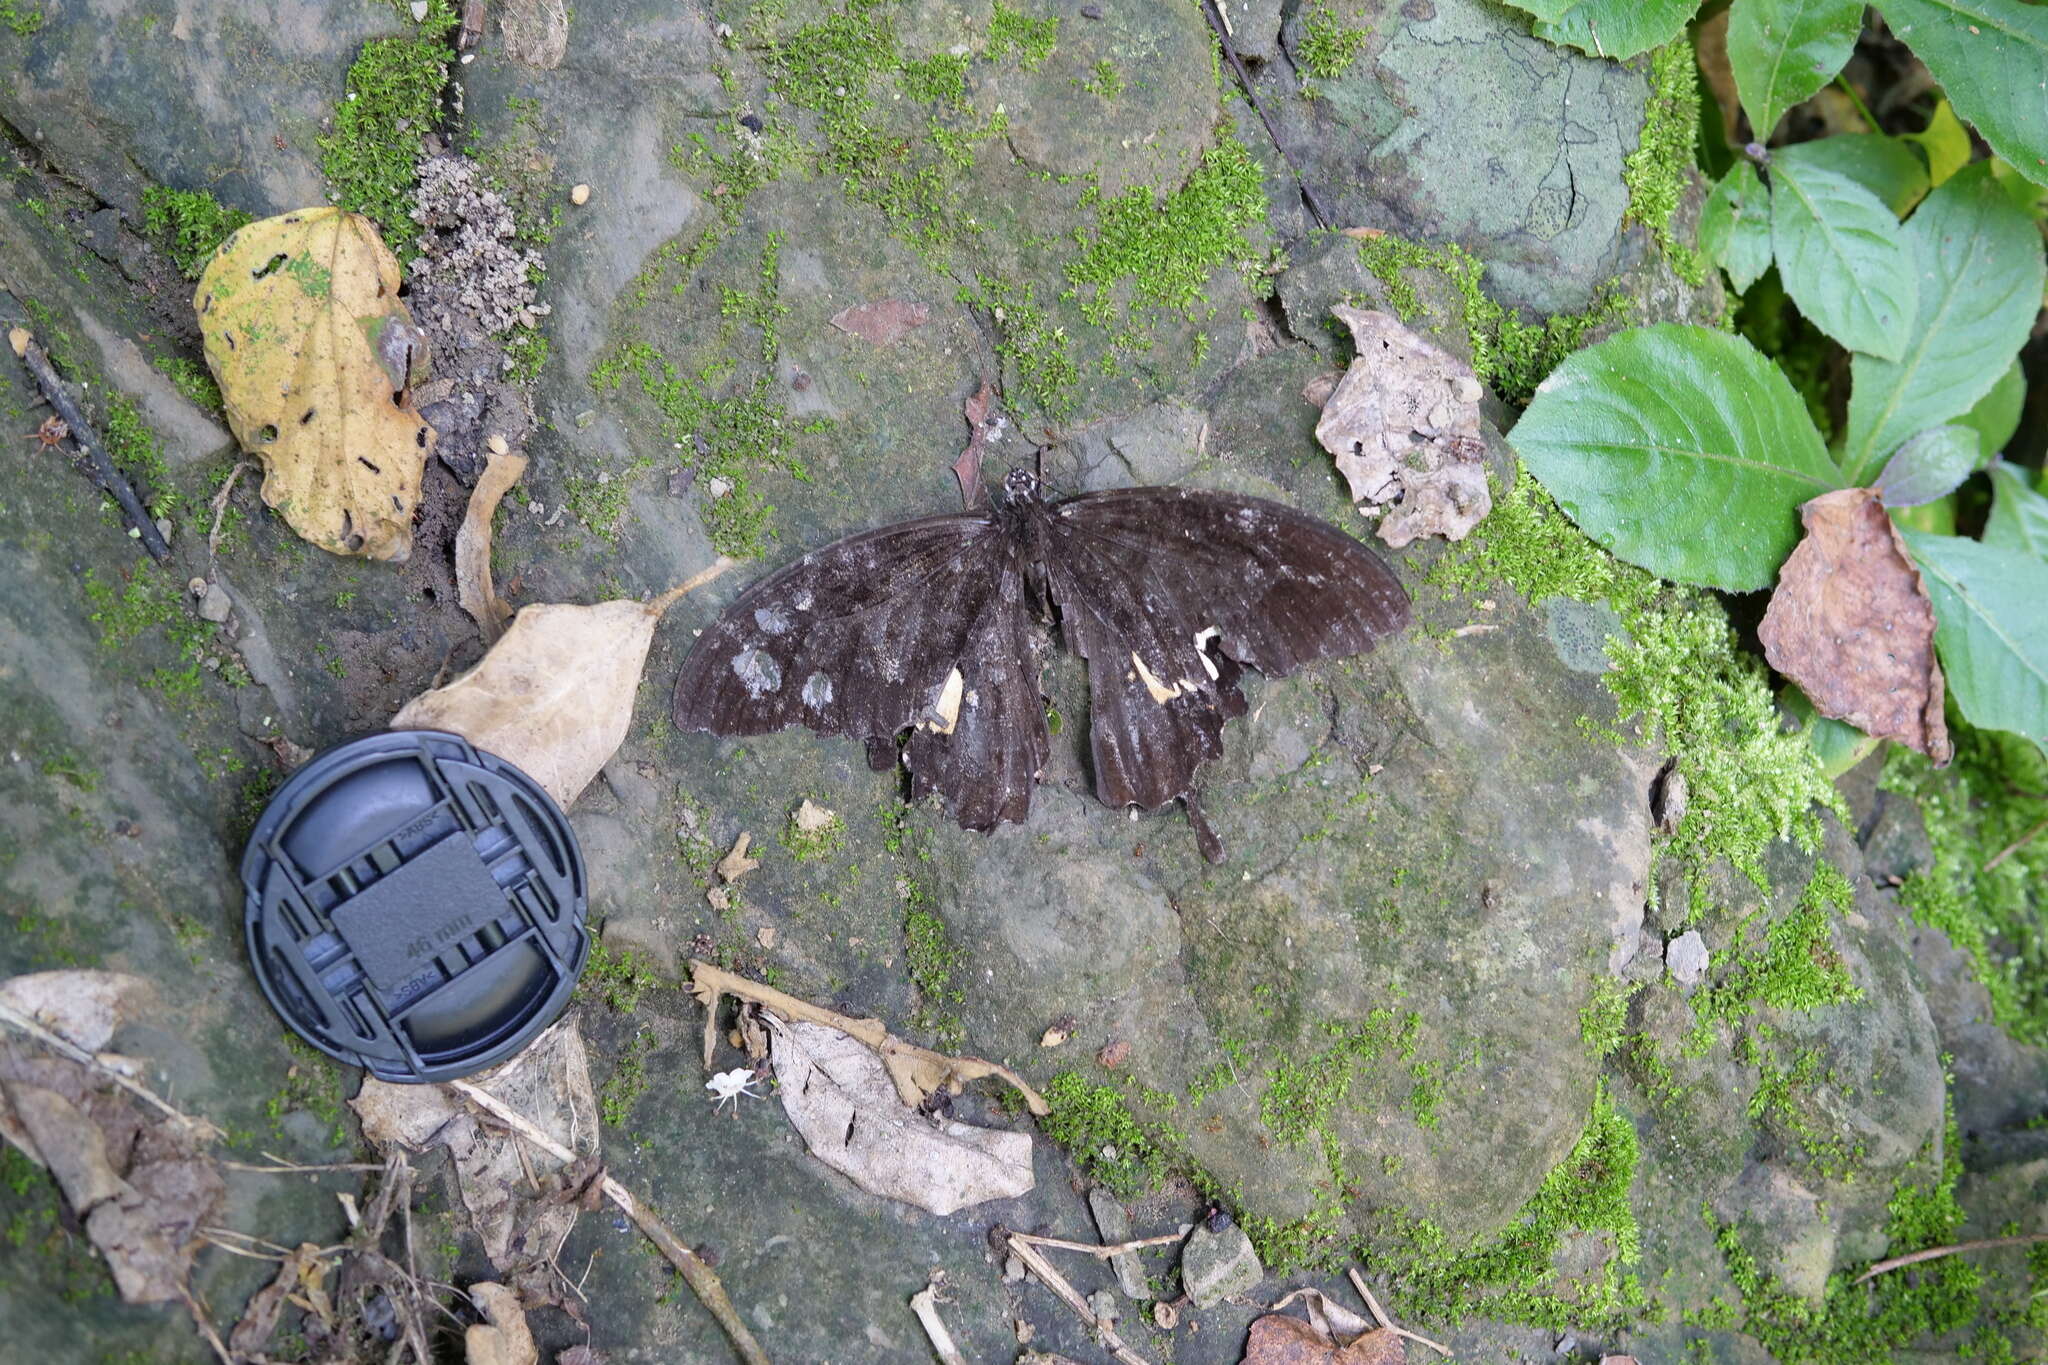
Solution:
(1403, 423)
(555, 695)
(839, 1097)
(1277, 1339)
(883, 322)
(142, 1188)
(260, 1318)
(984, 427)
(473, 586)
(316, 356)
(1850, 622)
(504, 1339)
(550, 1083)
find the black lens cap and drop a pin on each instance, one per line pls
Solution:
(415, 905)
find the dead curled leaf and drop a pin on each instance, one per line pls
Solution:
(473, 586)
(1850, 622)
(555, 695)
(1403, 424)
(1277, 1339)
(82, 1007)
(883, 322)
(504, 1339)
(549, 1081)
(316, 355)
(841, 1100)
(260, 1318)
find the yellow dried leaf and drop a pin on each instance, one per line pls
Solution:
(316, 357)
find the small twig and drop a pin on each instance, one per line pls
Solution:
(699, 1276)
(1057, 1283)
(200, 1128)
(283, 1167)
(220, 504)
(1936, 1253)
(101, 466)
(205, 1326)
(1093, 1250)
(1380, 1315)
(1214, 15)
(925, 1303)
(2015, 846)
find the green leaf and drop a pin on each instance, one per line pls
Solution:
(1997, 414)
(1885, 166)
(1785, 50)
(1735, 226)
(1991, 57)
(2019, 515)
(1929, 466)
(1990, 630)
(1841, 254)
(1609, 28)
(1946, 142)
(1978, 262)
(1680, 449)
(1839, 745)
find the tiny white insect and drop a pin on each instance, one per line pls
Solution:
(730, 1085)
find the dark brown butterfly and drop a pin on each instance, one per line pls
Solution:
(920, 638)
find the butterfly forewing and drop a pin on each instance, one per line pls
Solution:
(865, 637)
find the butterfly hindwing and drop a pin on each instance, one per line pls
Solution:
(920, 625)
(1154, 584)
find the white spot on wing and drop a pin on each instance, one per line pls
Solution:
(1161, 693)
(817, 691)
(757, 671)
(774, 620)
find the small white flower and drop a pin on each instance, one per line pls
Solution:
(730, 1085)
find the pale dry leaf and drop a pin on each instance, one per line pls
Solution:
(840, 1099)
(1403, 424)
(1850, 622)
(550, 1082)
(810, 817)
(1280, 1340)
(736, 864)
(316, 355)
(473, 586)
(260, 1318)
(82, 1007)
(555, 695)
(503, 1339)
(883, 322)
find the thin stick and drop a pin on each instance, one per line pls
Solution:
(64, 1047)
(1057, 1283)
(220, 504)
(101, 466)
(1936, 1253)
(925, 1303)
(1380, 1314)
(702, 1280)
(293, 1168)
(1214, 15)
(205, 1327)
(2015, 846)
(1093, 1250)
(689, 585)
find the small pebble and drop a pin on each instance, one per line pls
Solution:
(751, 122)
(800, 381)
(585, 418)
(580, 194)
(719, 487)
(1166, 1315)
(499, 445)
(214, 605)
(419, 11)
(163, 527)
(1091, 11)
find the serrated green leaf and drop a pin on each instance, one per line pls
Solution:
(1735, 226)
(1609, 28)
(1991, 57)
(1929, 466)
(1990, 630)
(1946, 142)
(2019, 514)
(1997, 414)
(1885, 166)
(1680, 449)
(1784, 50)
(1977, 260)
(1840, 252)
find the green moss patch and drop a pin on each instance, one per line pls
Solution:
(1103, 1136)
(392, 97)
(1508, 353)
(1795, 967)
(617, 977)
(1328, 44)
(189, 224)
(1658, 172)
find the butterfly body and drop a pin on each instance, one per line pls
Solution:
(922, 639)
